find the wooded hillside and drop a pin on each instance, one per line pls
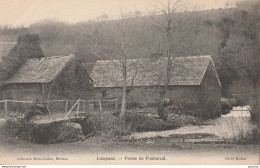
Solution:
(199, 35)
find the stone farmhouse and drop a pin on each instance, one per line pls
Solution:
(193, 83)
(57, 77)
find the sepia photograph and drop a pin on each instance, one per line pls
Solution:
(129, 82)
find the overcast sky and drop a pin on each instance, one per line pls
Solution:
(26, 12)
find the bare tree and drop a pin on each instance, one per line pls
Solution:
(164, 20)
(118, 44)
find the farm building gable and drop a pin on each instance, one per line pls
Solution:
(40, 70)
(146, 72)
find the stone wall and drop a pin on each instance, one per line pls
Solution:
(210, 93)
(25, 92)
(150, 95)
(73, 83)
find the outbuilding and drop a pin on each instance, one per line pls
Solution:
(56, 77)
(194, 82)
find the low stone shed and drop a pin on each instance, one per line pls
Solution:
(57, 77)
(194, 82)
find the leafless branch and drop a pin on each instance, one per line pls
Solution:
(103, 53)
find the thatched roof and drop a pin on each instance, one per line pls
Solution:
(40, 70)
(184, 71)
(5, 48)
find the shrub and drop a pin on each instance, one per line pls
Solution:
(56, 133)
(103, 124)
(20, 129)
(195, 110)
(190, 109)
(140, 123)
(225, 108)
(251, 137)
(106, 124)
(134, 105)
(254, 110)
(240, 130)
(35, 110)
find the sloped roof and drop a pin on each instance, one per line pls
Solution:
(5, 47)
(184, 71)
(89, 66)
(40, 70)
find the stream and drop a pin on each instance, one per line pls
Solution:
(232, 125)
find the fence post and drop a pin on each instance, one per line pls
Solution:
(71, 109)
(5, 107)
(78, 108)
(116, 104)
(100, 105)
(84, 106)
(66, 106)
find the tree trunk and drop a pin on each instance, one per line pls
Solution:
(123, 107)
(253, 99)
(161, 112)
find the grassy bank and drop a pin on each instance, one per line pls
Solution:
(105, 124)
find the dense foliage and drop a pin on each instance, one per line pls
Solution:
(28, 46)
(239, 53)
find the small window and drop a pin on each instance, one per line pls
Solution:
(127, 91)
(104, 93)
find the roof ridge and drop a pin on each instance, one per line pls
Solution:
(105, 60)
(178, 57)
(12, 42)
(195, 56)
(52, 57)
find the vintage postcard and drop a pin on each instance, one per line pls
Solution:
(108, 82)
